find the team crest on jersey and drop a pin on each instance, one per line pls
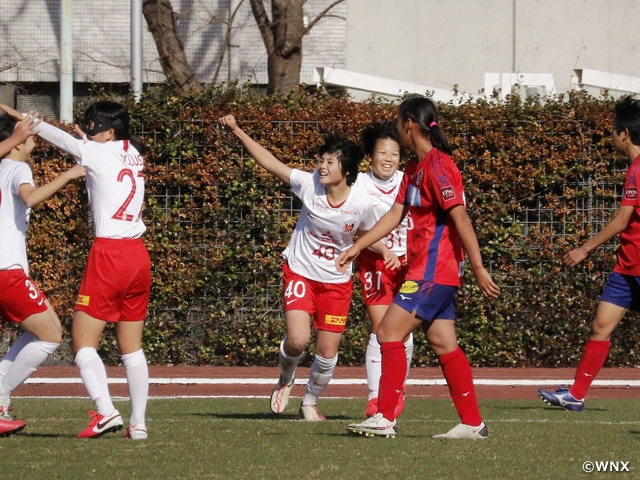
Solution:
(335, 320)
(448, 193)
(419, 177)
(631, 193)
(83, 300)
(348, 227)
(409, 287)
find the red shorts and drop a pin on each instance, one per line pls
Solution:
(117, 281)
(327, 303)
(19, 296)
(379, 283)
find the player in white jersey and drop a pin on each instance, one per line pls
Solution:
(331, 215)
(21, 301)
(380, 283)
(117, 280)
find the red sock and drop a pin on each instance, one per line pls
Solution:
(457, 373)
(394, 372)
(593, 357)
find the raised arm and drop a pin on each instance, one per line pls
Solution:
(51, 134)
(263, 156)
(24, 129)
(33, 196)
(470, 244)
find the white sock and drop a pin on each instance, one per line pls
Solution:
(10, 356)
(27, 360)
(135, 365)
(94, 377)
(408, 349)
(288, 364)
(319, 377)
(373, 365)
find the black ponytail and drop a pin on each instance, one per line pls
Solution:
(423, 111)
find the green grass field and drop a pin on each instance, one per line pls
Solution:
(230, 438)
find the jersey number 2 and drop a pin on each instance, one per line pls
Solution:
(121, 212)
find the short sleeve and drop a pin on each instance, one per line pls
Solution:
(446, 183)
(298, 180)
(22, 175)
(630, 192)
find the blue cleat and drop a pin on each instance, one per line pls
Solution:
(561, 398)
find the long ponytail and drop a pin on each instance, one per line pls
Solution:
(423, 112)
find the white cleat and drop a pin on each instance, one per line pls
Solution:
(310, 413)
(377, 426)
(136, 432)
(465, 431)
(280, 395)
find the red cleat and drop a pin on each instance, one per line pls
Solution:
(100, 425)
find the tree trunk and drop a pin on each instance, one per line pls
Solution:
(282, 37)
(162, 23)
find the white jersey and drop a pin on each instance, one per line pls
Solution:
(14, 215)
(323, 230)
(115, 181)
(383, 195)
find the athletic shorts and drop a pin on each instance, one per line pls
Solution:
(379, 283)
(117, 281)
(327, 303)
(623, 291)
(19, 296)
(431, 301)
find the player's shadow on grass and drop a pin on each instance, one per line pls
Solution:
(44, 435)
(262, 416)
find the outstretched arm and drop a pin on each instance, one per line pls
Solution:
(51, 134)
(613, 228)
(24, 129)
(381, 229)
(263, 156)
(33, 196)
(470, 244)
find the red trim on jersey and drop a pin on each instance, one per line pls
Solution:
(386, 192)
(339, 205)
(126, 145)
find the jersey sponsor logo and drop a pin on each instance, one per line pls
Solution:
(348, 227)
(348, 212)
(83, 300)
(409, 287)
(447, 193)
(631, 193)
(335, 320)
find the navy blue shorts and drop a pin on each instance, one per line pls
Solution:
(623, 291)
(430, 301)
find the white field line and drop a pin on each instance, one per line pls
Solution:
(337, 381)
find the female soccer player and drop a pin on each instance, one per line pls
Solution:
(331, 215)
(21, 301)
(622, 291)
(432, 192)
(117, 280)
(379, 282)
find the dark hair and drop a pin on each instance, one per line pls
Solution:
(376, 131)
(117, 113)
(7, 125)
(423, 111)
(348, 153)
(627, 117)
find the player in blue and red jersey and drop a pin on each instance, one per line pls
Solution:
(622, 291)
(432, 192)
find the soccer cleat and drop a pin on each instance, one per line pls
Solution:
(375, 426)
(372, 408)
(99, 425)
(8, 425)
(400, 404)
(310, 413)
(280, 395)
(465, 431)
(136, 432)
(561, 398)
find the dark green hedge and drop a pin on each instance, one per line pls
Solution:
(541, 177)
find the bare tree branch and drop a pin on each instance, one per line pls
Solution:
(226, 41)
(264, 25)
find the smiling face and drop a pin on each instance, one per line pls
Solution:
(385, 159)
(330, 169)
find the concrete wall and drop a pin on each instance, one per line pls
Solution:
(442, 43)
